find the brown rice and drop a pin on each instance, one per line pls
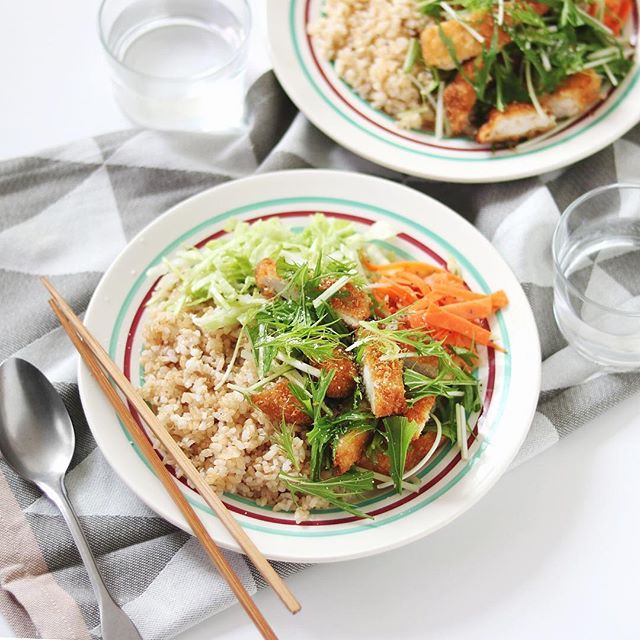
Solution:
(228, 440)
(367, 40)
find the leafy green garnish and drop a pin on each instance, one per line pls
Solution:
(413, 54)
(376, 445)
(334, 490)
(399, 432)
(284, 439)
(445, 409)
(288, 326)
(420, 386)
(565, 40)
(388, 338)
(326, 430)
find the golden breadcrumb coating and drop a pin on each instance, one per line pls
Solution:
(383, 382)
(278, 403)
(518, 121)
(351, 303)
(349, 449)
(343, 383)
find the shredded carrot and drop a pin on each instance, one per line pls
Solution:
(444, 278)
(417, 268)
(459, 293)
(423, 303)
(397, 294)
(472, 309)
(416, 320)
(414, 281)
(437, 302)
(438, 317)
(499, 300)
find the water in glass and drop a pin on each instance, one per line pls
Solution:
(179, 63)
(597, 280)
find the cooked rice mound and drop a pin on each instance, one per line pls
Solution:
(227, 439)
(367, 40)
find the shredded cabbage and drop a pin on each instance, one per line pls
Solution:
(223, 270)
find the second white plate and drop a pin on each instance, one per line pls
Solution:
(313, 85)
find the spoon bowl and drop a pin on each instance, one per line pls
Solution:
(36, 434)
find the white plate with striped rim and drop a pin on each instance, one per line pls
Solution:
(427, 230)
(314, 86)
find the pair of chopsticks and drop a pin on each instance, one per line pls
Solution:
(103, 370)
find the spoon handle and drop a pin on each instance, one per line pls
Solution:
(115, 623)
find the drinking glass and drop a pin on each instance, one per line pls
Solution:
(596, 253)
(178, 64)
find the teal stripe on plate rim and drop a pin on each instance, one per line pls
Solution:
(195, 500)
(293, 28)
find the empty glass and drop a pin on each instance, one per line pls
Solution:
(596, 252)
(178, 64)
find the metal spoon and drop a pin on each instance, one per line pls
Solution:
(37, 442)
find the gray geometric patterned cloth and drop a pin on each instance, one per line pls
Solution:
(67, 212)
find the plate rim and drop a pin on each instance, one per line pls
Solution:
(291, 76)
(324, 176)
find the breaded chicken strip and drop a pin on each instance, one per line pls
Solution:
(349, 449)
(343, 382)
(383, 382)
(420, 411)
(350, 303)
(459, 99)
(267, 278)
(518, 121)
(426, 365)
(434, 49)
(418, 449)
(278, 403)
(575, 95)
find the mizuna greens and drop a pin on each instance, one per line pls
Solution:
(348, 367)
(497, 71)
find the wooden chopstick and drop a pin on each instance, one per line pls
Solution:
(165, 477)
(208, 495)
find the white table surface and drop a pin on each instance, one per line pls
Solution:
(551, 552)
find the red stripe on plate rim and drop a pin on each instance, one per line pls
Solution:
(489, 386)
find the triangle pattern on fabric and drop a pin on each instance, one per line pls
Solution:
(79, 232)
(53, 355)
(24, 492)
(128, 569)
(24, 292)
(627, 154)
(105, 534)
(577, 179)
(109, 143)
(96, 490)
(523, 238)
(85, 150)
(143, 193)
(567, 368)
(29, 185)
(185, 151)
(541, 299)
(196, 589)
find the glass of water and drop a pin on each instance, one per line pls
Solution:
(596, 252)
(178, 64)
